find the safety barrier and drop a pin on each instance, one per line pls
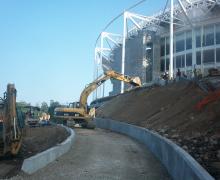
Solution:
(38, 161)
(178, 162)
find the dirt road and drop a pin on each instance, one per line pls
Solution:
(101, 154)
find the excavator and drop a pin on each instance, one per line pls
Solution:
(10, 131)
(79, 112)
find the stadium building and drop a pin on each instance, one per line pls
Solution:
(144, 49)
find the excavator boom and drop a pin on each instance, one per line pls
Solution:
(135, 81)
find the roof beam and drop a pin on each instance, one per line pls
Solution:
(184, 12)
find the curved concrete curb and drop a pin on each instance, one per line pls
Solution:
(38, 161)
(178, 162)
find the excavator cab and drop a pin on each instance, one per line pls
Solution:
(74, 105)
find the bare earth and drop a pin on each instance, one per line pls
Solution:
(100, 154)
(171, 112)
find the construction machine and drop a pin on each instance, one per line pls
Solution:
(32, 115)
(10, 131)
(80, 113)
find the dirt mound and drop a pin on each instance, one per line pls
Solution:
(41, 138)
(171, 112)
(35, 140)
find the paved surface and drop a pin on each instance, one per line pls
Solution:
(101, 154)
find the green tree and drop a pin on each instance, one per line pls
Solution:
(44, 107)
(53, 105)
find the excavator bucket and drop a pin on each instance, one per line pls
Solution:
(136, 81)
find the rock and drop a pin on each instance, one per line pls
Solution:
(162, 108)
(200, 149)
(191, 117)
(213, 141)
(196, 134)
(162, 130)
(206, 157)
(199, 160)
(195, 141)
(179, 140)
(173, 130)
(197, 155)
(218, 154)
(175, 136)
(185, 147)
(166, 135)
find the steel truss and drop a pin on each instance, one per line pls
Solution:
(178, 16)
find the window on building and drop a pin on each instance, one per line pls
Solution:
(218, 55)
(162, 47)
(180, 42)
(208, 36)
(218, 34)
(167, 49)
(167, 64)
(198, 58)
(188, 40)
(167, 45)
(189, 59)
(162, 65)
(198, 37)
(180, 61)
(162, 50)
(208, 56)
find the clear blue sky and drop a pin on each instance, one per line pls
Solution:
(47, 46)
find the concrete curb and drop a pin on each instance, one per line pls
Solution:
(178, 162)
(38, 161)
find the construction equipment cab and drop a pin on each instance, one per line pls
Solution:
(79, 112)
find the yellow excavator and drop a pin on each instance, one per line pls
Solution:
(10, 131)
(79, 112)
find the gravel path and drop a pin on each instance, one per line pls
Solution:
(101, 154)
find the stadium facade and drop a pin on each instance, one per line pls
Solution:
(196, 42)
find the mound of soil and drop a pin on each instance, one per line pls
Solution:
(171, 112)
(41, 138)
(35, 140)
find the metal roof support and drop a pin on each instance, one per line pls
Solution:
(96, 69)
(135, 23)
(171, 41)
(102, 43)
(131, 16)
(137, 16)
(188, 1)
(123, 48)
(106, 36)
(185, 13)
(112, 37)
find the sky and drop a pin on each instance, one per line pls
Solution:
(47, 46)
